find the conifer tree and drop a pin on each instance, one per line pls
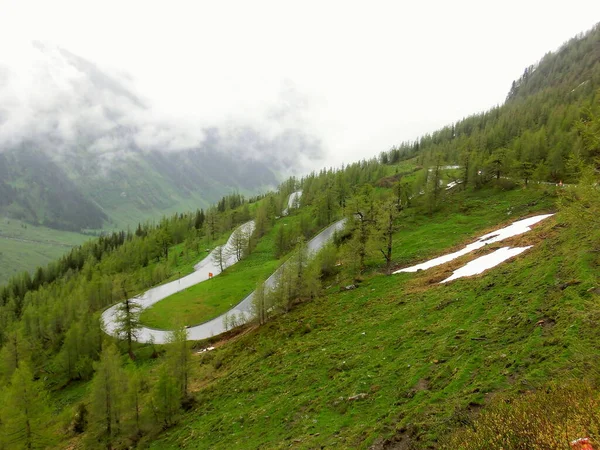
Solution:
(178, 359)
(239, 244)
(466, 161)
(108, 393)
(261, 221)
(134, 399)
(71, 351)
(219, 257)
(12, 353)
(259, 303)
(402, 193)
(385, 228)
(165, 398)
(163, 241)
(362, 219)
(24, 412)
(435, 188)
(525, 170)
(127, 317)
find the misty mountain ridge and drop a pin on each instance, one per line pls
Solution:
(111, 150)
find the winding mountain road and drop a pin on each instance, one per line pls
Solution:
(294, 196)
(158, 293)
(215, 326)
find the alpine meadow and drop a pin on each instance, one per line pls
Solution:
(200, 299)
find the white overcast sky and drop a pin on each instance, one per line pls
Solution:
(361, 76)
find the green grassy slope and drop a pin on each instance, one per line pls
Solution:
(418, 355)
(213, 297)
(23, 247)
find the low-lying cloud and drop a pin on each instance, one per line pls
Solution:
(66, 105)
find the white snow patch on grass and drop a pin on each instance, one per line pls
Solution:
(514, 229)
(483, 263)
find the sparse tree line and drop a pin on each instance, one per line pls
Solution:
(371, 221)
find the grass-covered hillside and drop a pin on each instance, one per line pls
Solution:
(398, 360)
(401, 357)
(24, 246)
(214, 297)
(340, 352)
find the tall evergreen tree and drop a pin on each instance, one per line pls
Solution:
(178, 359)
(385, 229)
(219, 257)
(127, 317)
(135, 400)
(259, 303)
(107, 398)
(24, 412)
(362, 220)
(239, 244)
(165, 398)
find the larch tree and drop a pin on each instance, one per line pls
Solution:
(282, 241)
(499, 162)
(127, 316)
(259, 303)
(24, 412)
(261, 221)
(580, 205)
(178, 360)
(165, 398)
(402, 193)
(219, 257)
(239, 243)
(12, 353)
(71, 351)
(525, 170)
(466, 160)
(163, 241)
(107, 399)
(435, 188)
(362, 219)
(385, 229)
(211, 223)
(300, 260)
(134, 399)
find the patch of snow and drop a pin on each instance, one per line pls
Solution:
(581, 84)
(204, 350)
(445, 168)
(483, 263)
(516, 228)
(453, 184)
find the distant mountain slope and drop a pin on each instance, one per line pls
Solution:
(571, 67)
(35, 189)
(80, 150)
(535, 131)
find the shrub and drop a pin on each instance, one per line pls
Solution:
(547, 419)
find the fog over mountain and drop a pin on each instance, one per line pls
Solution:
(69, 106)
(138, 108)
(81, 147)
